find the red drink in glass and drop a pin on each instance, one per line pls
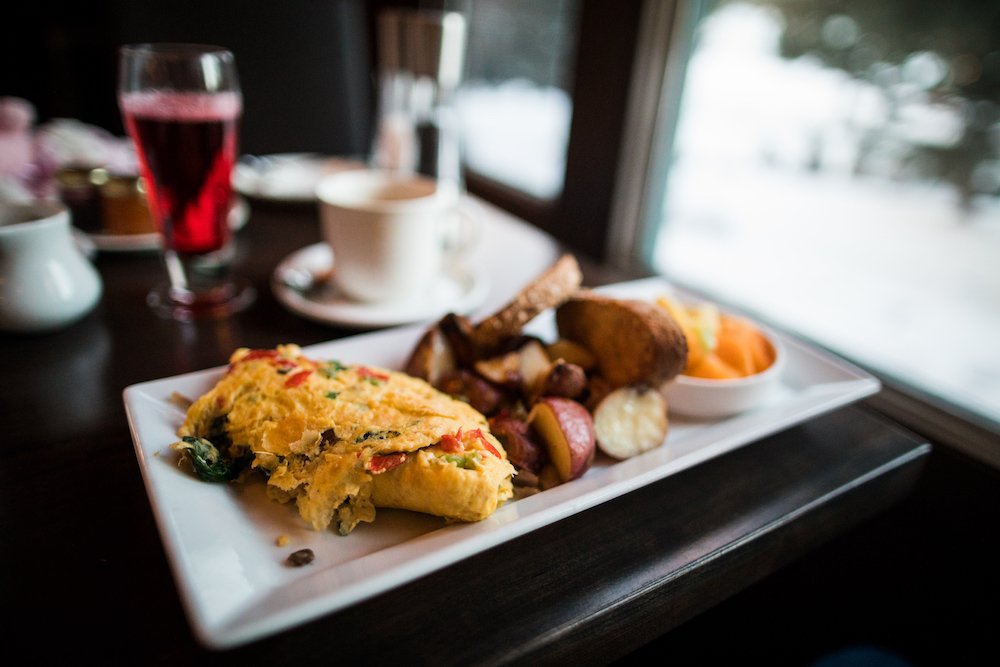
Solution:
(186, 144)
(181, 104)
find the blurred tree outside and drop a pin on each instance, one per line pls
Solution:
(924, 56)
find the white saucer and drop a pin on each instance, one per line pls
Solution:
(238, 216)
(461, 290)
(286, 177)
(124, 242)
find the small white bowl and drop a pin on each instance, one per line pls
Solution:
(711, 399)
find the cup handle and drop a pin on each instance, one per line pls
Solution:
(462, 230)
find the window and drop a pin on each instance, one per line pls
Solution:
(514, 103)
(833, 168)
(560, 71)
(519, 105)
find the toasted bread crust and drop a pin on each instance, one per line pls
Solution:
(548, 290)
(634, 342)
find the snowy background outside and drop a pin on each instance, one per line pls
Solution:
(780, 201)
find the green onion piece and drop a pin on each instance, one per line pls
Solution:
(331, 368)
(466, 462)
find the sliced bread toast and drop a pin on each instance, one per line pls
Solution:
(552, 287)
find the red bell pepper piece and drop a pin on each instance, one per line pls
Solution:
(379, 463)
(259, 354)
(254, 354)
(452, 443)
(487, 445)
(298, 378)
(366, 372)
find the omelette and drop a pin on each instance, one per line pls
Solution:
(341, 440)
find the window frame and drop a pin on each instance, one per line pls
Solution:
(603, 60)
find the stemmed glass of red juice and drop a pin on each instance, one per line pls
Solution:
(181, 105)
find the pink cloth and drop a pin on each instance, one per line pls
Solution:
(17, 145)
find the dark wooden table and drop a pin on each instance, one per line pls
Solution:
(85, 576)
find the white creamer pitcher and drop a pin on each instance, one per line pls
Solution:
(45, 281)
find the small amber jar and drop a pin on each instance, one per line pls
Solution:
(124, 207)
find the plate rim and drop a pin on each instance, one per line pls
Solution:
(240, 185)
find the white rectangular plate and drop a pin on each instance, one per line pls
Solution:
(220, 539)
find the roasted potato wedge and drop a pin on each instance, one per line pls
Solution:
(634, 342)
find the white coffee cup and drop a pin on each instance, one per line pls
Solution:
(390, 233)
